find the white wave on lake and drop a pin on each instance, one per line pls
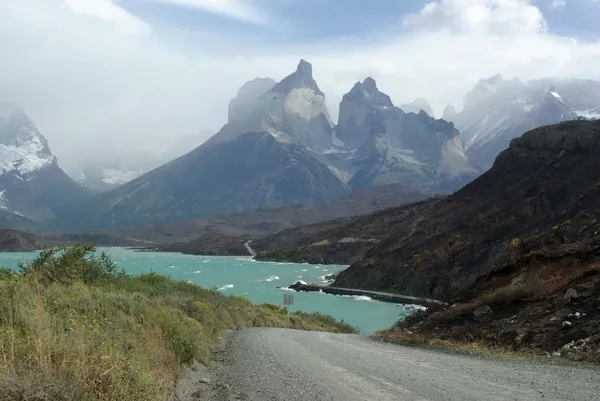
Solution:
(414, 308)
(271, 278)
(197, 272)
(226, 287)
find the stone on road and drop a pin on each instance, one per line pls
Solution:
(290, 365)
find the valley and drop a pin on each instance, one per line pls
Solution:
(487, 216)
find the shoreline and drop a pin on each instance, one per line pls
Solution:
(377, 295)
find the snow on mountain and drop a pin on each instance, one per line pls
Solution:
(31, 183)
(498, 110)
(23, 150)
(590, 114)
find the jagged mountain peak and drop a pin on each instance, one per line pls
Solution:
(368, 84)
(301, 78)
(418, 105)
(366, 92)
(23, 149)
(304, 68)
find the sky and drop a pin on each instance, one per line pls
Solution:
(128, 78)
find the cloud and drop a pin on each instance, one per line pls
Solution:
(558, 4)
(240, 10)
(107, 11)
(97, 92)
(501, 17)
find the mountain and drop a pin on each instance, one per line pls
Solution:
(515, 253)
(417, 105)
(263, 158)
(227, 234)
(293, 111)
(449, 113)
(498, 110)
(376, 143)
(32, 185)
(540, 196)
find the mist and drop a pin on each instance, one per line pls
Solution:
(107, 89)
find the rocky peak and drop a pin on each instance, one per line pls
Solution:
(246, 100)
(449, 113)
(366, 92)
(369, 85)
(417, 105)
(301, 78)
(23, 149)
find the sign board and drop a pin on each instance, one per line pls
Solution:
(288, 299)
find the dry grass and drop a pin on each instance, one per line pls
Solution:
(73, 328)
(406, 337)
(542, 282)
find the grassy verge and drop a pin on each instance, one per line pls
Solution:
(406, 337)
(73, 327)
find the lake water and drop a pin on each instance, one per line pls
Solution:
(258, 281)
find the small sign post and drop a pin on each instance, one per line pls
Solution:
(288, 299)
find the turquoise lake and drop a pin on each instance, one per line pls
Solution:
(258, 281)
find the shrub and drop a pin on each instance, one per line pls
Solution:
(72, 327)
(66, 264)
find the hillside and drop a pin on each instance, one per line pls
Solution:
(226, 235)
(339, 241)
(516, 252)
(79, 329)
(539, 197)
(519, 246)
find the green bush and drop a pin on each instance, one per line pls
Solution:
(66, 264)
(73, 327)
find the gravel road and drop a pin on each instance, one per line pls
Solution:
(289, 365)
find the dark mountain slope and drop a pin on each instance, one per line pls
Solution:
(340, 241)
(541, 195)
(252, 171)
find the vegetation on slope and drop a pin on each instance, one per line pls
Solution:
(74, 327)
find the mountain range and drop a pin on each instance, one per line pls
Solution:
(280, 147)
(498, 110)
(514, 253)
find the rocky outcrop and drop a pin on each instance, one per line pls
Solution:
(293, 111)
(381, 144)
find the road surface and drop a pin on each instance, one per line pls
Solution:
(249, 248)
(289, 365)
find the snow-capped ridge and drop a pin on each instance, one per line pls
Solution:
(23, 150)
